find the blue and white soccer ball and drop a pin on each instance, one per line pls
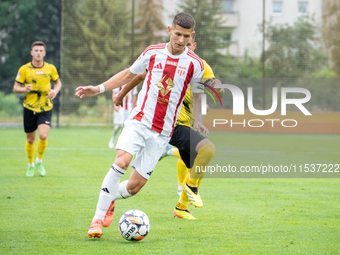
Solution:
(134, 225)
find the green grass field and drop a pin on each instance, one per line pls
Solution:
(51, 215)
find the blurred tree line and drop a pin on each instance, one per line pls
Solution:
(101, 37)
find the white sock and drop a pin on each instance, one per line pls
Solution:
(170, 152)
(38, 160)
(108, 191)
(31, 165)
(122, 191)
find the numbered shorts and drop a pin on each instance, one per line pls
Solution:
(148, 146)
(33, 119)
(121, 116)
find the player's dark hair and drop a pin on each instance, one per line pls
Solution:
(38, 43)
(184, 20)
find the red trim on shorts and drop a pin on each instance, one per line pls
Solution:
(139, 115)
(163, 100)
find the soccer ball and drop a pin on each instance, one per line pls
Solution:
(134, 225)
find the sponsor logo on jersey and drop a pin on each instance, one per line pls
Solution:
(18, 75)
(162, 100)
(172, 63)
(39, 72)
(181, 70)
(165, 86)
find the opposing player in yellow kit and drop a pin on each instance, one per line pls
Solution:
(194, 148)
(34, 79)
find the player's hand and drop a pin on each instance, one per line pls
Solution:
(28, 87)
(52, 94)
(118, 100)
(214, 82)
(201, 128)
(87, 91)
(220, 91)
(116, 108)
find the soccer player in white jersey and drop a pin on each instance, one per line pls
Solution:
(121, 114)
(170, 68)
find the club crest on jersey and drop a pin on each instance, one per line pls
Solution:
(39, 72)
(181, 70)
(165, 86)
(171, 63)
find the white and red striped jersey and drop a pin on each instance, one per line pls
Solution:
(167, 80)
(127, 101)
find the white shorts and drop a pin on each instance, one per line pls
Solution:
(121, 116)
(136, 138)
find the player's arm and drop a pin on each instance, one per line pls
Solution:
(53, 92)
(115, 81)
(129, 86)
(20, 80)
(18, 88)
(198, 115)
(213, 83)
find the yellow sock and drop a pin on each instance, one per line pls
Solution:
(182, 171)
(176, 153)
(204, 156)
(183, 199)
(41, 146)
(30, 152)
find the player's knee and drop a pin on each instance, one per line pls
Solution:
(42, 136)
(208, 150)
(30, 140)
(122, 163)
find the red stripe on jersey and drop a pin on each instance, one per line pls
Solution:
(152, 47)
(139, 115)
(164, 94)
(186, 84)
(126, 101)
(193, 55)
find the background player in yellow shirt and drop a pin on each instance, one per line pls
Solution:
(34, 79)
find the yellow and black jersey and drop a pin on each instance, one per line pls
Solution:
(186, 115)
(40, 78)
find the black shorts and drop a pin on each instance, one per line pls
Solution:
(33, 119)
(186, 140)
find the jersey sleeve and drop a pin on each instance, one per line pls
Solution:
(208, 72)
(21, 76)
(115, 90)
(55, 75)
(139, 66)
(134, 91)
(197, 79)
